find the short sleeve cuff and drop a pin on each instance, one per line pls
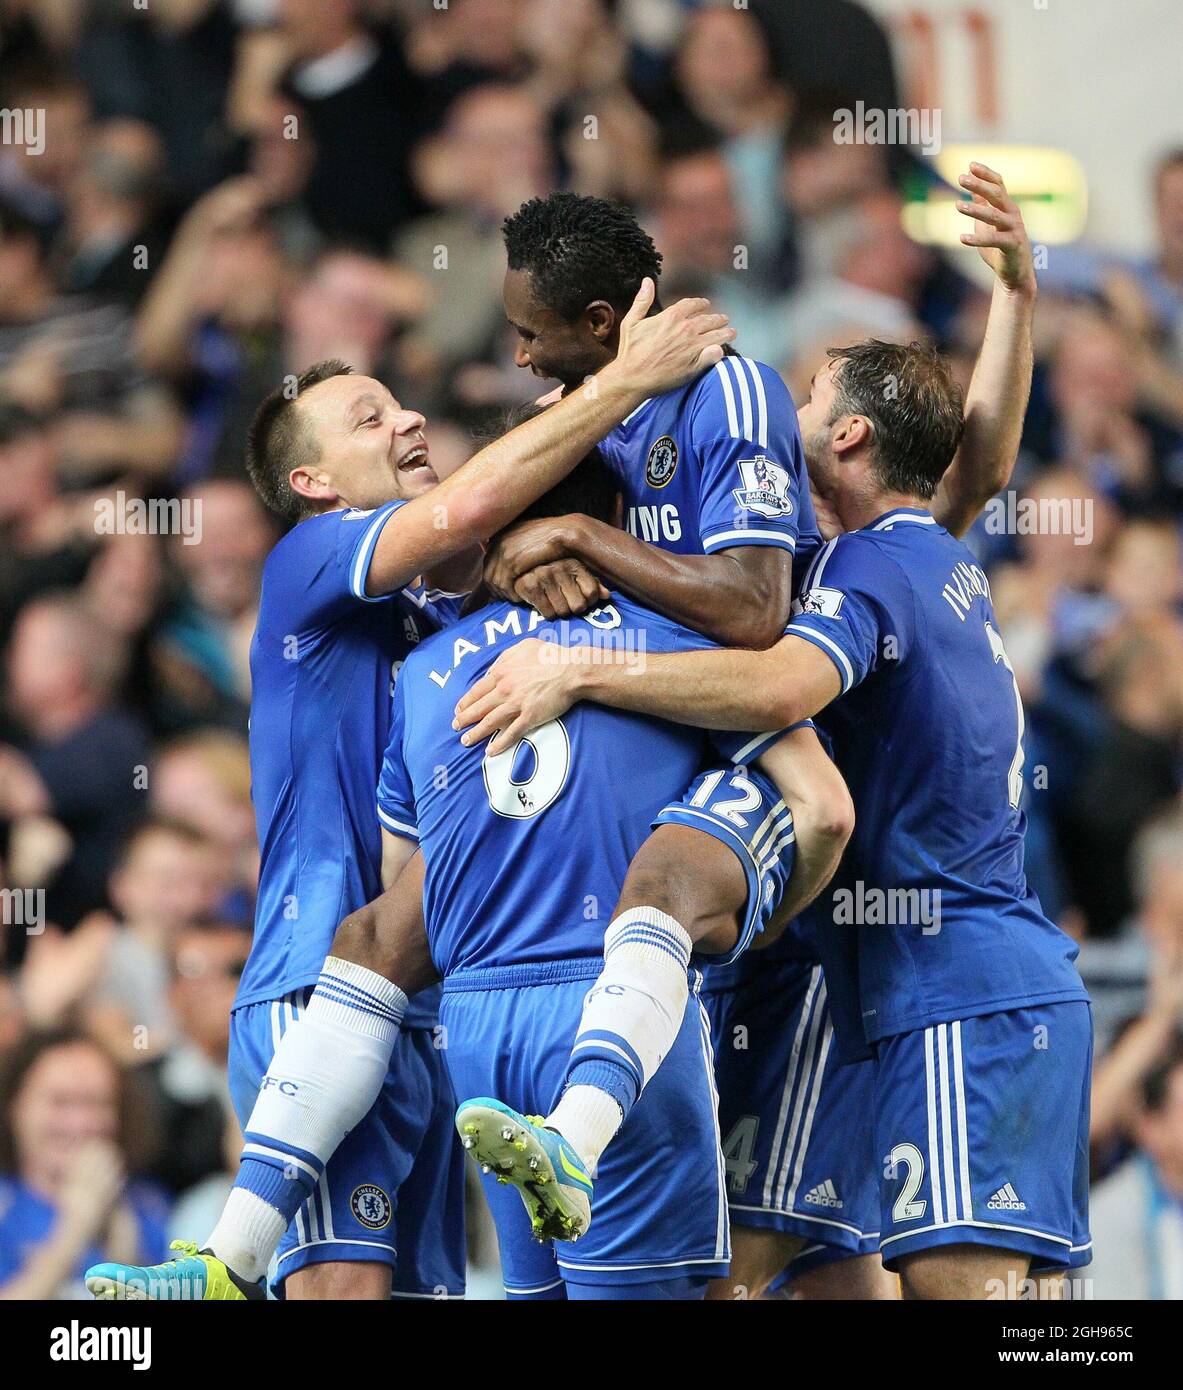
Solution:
(359, 565)
(395, 821)
(831, 649)
(748, 535)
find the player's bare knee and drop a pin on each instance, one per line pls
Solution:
(963, 1272)
(338, 1280)
(707, 902)
(357, 939)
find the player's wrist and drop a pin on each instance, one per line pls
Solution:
(616, 387)
(1021, 292)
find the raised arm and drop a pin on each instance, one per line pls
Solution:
(656, 354)
(1001, 384)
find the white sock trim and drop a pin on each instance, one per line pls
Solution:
(651, 934)
(357, 997)
(247, 1234)
(587, 1118)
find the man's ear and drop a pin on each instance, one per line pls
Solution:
(312, 484)
(854, 432)
(601, 319)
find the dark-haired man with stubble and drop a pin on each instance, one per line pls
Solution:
(341, 606)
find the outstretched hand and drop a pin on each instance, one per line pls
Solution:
(999, 232)
(528, 685)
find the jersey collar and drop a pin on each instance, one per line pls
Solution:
(900, 516)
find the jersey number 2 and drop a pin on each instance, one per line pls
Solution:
(1015, 777)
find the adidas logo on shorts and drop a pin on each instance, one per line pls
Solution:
(1006, 1199)
(824, 1195)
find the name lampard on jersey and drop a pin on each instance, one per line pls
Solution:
(603, 631)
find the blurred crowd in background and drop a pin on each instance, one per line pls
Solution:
(229, 192)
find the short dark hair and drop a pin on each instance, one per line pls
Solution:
(17, 421)
(1156, 1084)
(577, 248)
(278, 440)
(590, 488)
(909, 395)
(138, 1118)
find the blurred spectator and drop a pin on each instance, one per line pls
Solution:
(84, 759)
(190, 1078)
(840, 47)
(490, 157)
(168, 64)
(73, 355)
(45, 535)
(349, 79)
(227, 317)
(110, 244)
(466, 43)
(725, 91)
(204, 780)
(608, 142)
(698, 230)
(1136, 1214)
(71, 1137)
(1162, 277)
(124, 590)
(1133, 771)
(1136, 978)
(874, 290)
(207, 638)
(37, 186)
(818, 180)
(164, 880)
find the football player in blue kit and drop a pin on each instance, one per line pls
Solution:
(340, 609)
(522, 853)
(802, 1171)
(939, 960)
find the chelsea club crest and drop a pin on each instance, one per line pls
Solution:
(371, 1206)
(662, 461)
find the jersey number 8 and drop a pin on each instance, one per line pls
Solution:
(551, 750)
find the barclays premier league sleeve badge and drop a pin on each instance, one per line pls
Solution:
(766, 487)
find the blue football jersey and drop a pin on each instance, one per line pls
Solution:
(323, 662)
(929, 735)
(715, 464)
(526, 852)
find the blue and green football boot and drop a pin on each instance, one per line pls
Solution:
(194, 1275)
(551, 1177)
